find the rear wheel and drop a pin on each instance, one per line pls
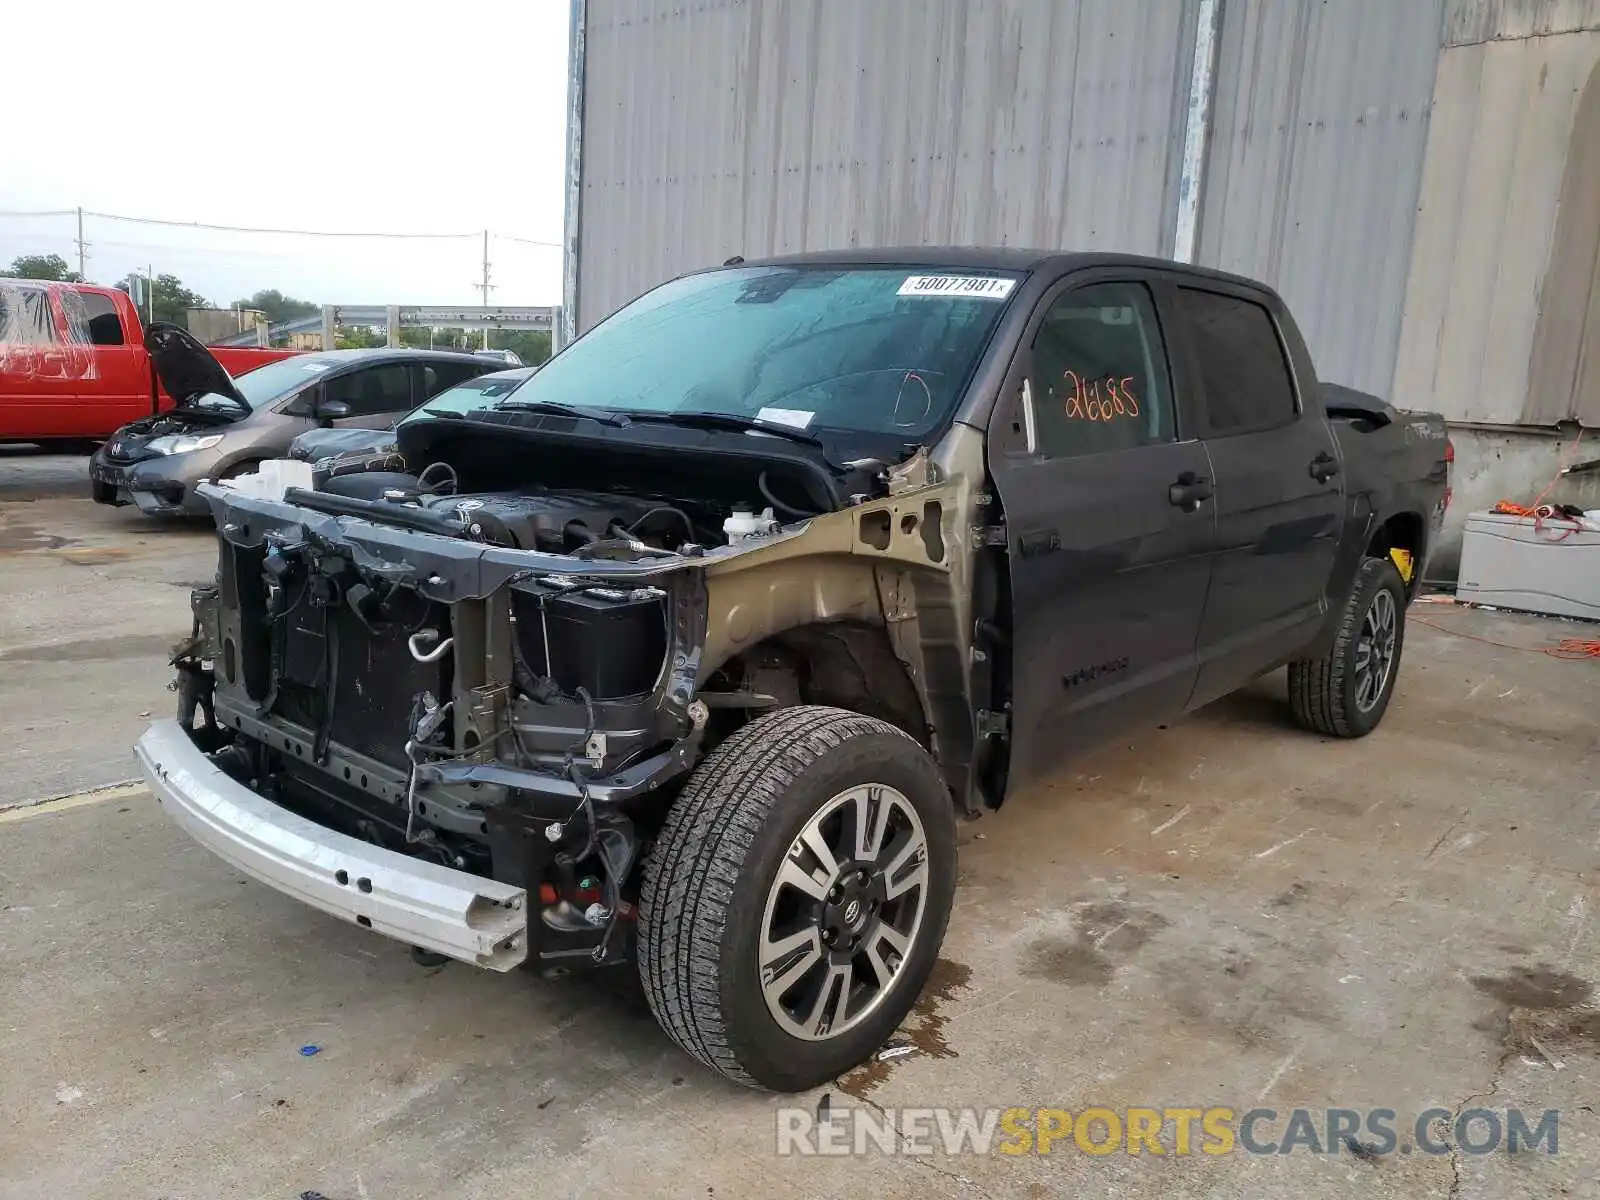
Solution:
(796, 899)
(1346, 692)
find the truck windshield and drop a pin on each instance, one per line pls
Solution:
(829, 350)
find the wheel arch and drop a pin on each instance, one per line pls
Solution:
(848, 664)
(1403, 530)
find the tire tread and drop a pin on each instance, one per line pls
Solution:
(691, 876)
(1317, 691)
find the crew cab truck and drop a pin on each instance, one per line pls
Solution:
(74, 365)
(691, 650)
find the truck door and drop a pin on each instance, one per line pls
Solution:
(1280, 491)
(113, 386)
(1108, 518)
(37, 365)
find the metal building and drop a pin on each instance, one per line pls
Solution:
(1419, 178)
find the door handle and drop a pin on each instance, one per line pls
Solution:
(1189, 490)
(1324, 467)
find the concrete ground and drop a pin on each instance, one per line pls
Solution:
(1226, 912)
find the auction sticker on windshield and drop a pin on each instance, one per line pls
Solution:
(978, 286)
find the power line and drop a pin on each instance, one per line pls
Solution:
(255, 229)
(327, 233)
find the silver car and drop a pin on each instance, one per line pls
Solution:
(222, 427)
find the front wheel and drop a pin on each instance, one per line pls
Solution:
(1346, 692)
(795, 902)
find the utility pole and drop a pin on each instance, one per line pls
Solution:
(485, 286)
(82, 245)
(150, 297)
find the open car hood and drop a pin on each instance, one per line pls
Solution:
(186, 368)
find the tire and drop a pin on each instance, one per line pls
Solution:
(712, 897)
(1336, 695)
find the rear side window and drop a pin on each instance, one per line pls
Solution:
(1243, 371)
(373, 390)
(25, 318)
(438, 376)
(1099, 381)
(100, 319)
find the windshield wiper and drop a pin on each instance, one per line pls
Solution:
(716, 420)
(563, 410)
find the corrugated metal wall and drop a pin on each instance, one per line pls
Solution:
(1505, 132)
(769, 126)
(1404, 171)
(1320, 121)
(1468, 21)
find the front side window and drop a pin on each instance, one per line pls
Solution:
(373, 390)
(826, 349)
(1243, 372)
(92, 318)
(101, 321)
(1099, 381)
(438, 376)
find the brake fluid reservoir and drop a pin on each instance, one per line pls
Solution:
(746, 524)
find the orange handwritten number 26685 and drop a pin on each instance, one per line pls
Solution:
(1101, 399)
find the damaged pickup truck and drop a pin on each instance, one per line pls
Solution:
(692, 649)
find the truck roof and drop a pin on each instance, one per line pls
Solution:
(989, 258)
(60, 285)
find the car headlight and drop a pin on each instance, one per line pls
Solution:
(182, 443)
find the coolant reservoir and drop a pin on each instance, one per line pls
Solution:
(746, 524)
(272, 478)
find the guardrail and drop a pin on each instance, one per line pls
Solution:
(395, 317)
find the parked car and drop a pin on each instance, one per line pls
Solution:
(74, 365)
(222, 427)
(358, 446)
(509, 357)
(692, 651)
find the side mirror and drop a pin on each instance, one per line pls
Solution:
(329, 411)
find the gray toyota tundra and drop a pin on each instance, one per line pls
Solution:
(691, 650)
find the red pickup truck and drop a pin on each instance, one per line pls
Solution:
(73, 363)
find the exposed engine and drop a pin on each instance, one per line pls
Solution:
(566, 521)
(576, 521)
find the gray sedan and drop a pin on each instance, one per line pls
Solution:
(222, 427)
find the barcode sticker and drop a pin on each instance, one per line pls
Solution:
(976, 286)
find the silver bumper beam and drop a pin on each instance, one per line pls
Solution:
(467, 917)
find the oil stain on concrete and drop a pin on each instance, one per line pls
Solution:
(1535, 987)
(924, 1028)
(1102, 933)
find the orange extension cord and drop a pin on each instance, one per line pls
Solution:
(1572, 649)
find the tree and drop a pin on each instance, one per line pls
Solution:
(532, 346)
(42, 266)
(278, 307)
(358, 337)
(171, 298)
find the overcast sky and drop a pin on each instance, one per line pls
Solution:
(292, 115)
